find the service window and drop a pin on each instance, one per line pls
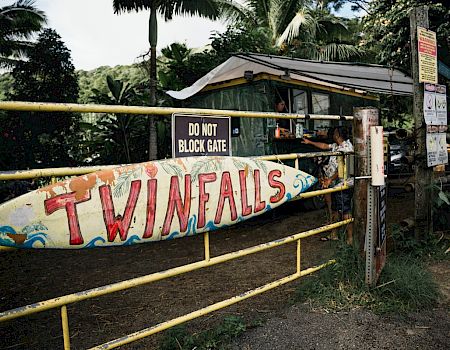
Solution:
(300, 104)
(321, 105)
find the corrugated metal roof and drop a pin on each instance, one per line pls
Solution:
(367, 78)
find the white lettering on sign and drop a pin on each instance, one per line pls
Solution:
(194, 129)
(209, 129)
(187, 146)
(216, 145)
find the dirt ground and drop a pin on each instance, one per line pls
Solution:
(32, 276)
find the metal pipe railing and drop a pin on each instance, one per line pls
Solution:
(157, 111)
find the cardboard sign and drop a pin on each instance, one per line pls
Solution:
(199, 135)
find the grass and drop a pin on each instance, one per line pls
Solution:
(219, 337)
(404, 285)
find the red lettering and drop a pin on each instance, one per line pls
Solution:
(258, 204)
(276, 184)
(151, 208)
(246, 209)
(183, 210)
(69, 202)
(203, 196)
(118, 223)
(226, 191)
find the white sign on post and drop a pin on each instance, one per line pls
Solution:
(436, 149)
(429, 108)
(435, 104)
(441, 104)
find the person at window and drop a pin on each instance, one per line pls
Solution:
(340, 201)
(283, 124)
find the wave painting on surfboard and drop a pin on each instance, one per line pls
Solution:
(148, 202)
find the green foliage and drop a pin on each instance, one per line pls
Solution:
(181, 67)
(18, 22)
(41, 139)
(115, 138)
(6, 84)
(179, 339)
(94, 81)
(404, 285)
(388, 34)
(406, 244)
(441, 208)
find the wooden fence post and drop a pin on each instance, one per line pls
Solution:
(423, 175)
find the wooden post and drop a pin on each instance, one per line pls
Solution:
(423, 175)
(363, 118)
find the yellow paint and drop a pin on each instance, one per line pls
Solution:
(119, 286)
(62, 172)
(156, 111)
(65, 327)
(206, 310)
(206, 243)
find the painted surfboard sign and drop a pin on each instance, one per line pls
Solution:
(148, 202)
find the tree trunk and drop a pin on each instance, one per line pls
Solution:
(153, 142)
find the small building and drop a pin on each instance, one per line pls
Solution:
(255, 82)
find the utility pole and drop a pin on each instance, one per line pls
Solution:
(423, 174)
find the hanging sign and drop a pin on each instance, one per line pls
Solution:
(199, 135)
(427, 51)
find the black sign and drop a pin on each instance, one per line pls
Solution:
(381, 215)
(195, 135)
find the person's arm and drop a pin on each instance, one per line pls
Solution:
(327, 181)
(320, 145)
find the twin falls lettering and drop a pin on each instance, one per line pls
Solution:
(163, 205)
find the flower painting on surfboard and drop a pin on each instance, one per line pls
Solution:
(148, 202)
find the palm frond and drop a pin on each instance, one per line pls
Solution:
(302, 20)
(234, 12)
(338, 52)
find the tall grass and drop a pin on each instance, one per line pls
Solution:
(404, 285)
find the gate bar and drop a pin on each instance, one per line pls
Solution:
(69, 171)
(157, 276)
(214, 307)
(94, 108)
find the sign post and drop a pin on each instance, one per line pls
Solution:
(421, 72)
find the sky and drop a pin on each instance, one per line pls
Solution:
(98, 37)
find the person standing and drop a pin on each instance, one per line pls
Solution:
(340, 201)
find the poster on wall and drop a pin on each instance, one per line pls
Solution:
(200, 135)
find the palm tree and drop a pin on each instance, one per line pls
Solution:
(18, 22)
(301, 27)
(167, 8)
(315, 33)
